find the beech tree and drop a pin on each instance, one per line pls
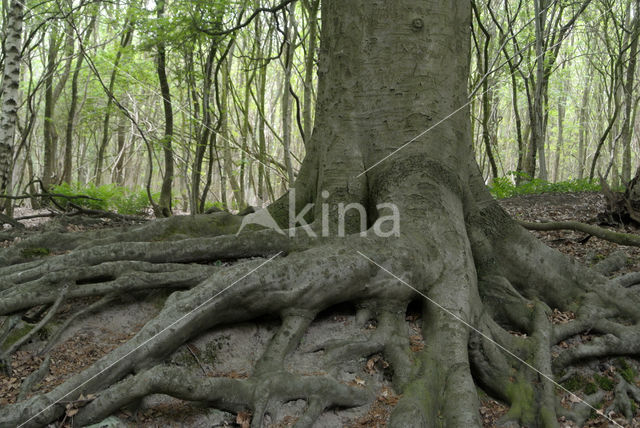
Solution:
(388, 72)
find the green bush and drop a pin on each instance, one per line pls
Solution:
(504, 187)
(108, 197)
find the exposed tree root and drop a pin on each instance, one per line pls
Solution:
(170, 229)
(5, 355)
(475, 309)
(600, 232)
(34, 378)
(624, 394)
(94, 307)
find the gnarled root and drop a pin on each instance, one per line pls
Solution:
(483, 322)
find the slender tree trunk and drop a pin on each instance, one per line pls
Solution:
(583, 131)
(536, 144)
(121, 134)
(562, 101)
(50, 135)
(228, 163)
(73, 105)
(167, 181)
(483, 61)
(10, 92)
(286, 96)
(205, 129)
(312, 7)
(125, 41)
(628, 96)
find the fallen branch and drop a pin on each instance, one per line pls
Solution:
(599, 232)
(9, 220)
(42, 215)
(49, 195)
(89, 309)
(34, 378)
(102, 213)
(628, 280)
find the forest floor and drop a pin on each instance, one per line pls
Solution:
(231, 351)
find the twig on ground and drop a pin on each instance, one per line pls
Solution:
(599, 232)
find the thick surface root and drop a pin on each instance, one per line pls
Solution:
(483, 323)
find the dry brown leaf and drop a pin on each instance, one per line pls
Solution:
(244, 419)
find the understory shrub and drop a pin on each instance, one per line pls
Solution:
(108, 197)
(505, 187)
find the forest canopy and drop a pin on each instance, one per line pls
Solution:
(210, 103)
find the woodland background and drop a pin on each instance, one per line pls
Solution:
(116, 96)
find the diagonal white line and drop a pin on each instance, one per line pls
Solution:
(151, 338)
(444, 119)
(471, 327)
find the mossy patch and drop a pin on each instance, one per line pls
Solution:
(213, 347)
(627, 372)
(522, 398)
(603, 382)
(16, 334)
(590, 388)
(33, 252)
(576, 383)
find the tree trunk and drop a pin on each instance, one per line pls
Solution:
(167, 181)
(10, 92)
(50, 134)
(205, 129)
(628, 96)
(67, 168)
(125, 41)
(486, 288)
(483, 61)
(583, 131)
(121, 135)
(562, 101)
(312, 6)
(289, 41)
(538, 132)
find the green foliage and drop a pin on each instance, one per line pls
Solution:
(604, 382)
(627, 372)
(590, 388)
(108, 197)
(216, 204)
(575, 383)
(34, 252)
(504, 187)
(17, 334)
